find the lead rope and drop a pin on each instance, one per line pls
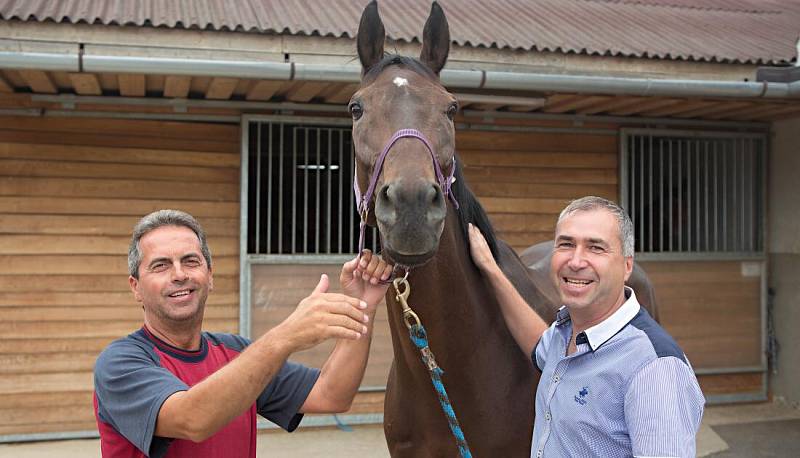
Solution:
(420, 339)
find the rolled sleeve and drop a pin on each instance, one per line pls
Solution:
(663, 409)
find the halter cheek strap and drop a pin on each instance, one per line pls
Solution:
(362, 202)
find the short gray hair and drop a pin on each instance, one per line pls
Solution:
(158, 219)
(590, 203)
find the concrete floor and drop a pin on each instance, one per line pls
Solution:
(747, 430)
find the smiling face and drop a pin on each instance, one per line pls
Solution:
(588, 266)
(174, 279)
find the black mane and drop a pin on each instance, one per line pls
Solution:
(471, 211)
(395, 59)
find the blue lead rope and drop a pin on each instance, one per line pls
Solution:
(420, 339)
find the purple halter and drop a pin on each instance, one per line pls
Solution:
(362, 202)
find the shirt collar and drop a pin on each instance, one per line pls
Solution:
(600, 333)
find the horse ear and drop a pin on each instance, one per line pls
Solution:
(435, 39)
(370, 37)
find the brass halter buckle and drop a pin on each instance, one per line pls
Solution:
(403, 290)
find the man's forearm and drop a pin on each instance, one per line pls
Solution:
(341, 375)
(525, 325)
(208, 406)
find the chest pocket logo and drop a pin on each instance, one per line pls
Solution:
(580, 398)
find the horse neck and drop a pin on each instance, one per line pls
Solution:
(453, 302)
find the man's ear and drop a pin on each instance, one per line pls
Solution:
(134, 284)
(628, 267)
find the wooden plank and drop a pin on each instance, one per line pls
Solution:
(575, 104)
(645, 108)
(54, 345)
(538, 159)
(85, 84)
(23, 417)
(100, 225)
(81, 244)
(128, 312)
(177, 86)
(263, 90)
(62, 398)
(91, 283)
(5, 86)
(688, 105)
(571, 191)
(64, 169)
(306, 91)
(221, 88)
(526, 141)
(131, 85)
(519, 222)
(88, 265)
(532, 175)
(38, 81)
(722, 107)
(48, 427)
(25, 330)
(130, 141)
(341, 95)
(92, 299)
(47, 383)
(118, 155)
(613, 103)
(122, 127)
(731, 383)
(86, 187)
(778, 113)
(134, 207)
(522, 205)
(525, 238)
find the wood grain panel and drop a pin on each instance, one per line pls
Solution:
(93, 187)
(102, 206)
(711, 310)
(522, 141)
(63, 169)
(98, 225)
(540, 176)
(477, 158)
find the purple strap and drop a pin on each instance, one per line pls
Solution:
(362, 202)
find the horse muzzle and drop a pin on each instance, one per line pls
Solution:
(410, 216)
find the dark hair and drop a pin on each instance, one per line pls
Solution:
(471, 211)
(158, 219)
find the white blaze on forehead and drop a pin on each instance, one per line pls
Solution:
(399, 81)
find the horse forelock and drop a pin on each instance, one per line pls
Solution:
(396, 59)
(471, 211)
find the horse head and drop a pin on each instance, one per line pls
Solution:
(404, 138)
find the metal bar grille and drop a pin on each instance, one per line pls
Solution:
(695, 192)
(300, 192)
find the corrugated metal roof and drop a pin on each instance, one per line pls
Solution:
(747, 31)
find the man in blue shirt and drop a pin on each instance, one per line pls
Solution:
(613, 383)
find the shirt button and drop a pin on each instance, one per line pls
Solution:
(556, 379)
(539, 454)
(547, 416)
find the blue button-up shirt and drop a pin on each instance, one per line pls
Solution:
(628, 390)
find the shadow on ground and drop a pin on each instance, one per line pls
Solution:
(765, 439)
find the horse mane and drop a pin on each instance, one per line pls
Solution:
(396, 59)
(471, 211)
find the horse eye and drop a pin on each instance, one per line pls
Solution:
(355, 110)
(452, 110)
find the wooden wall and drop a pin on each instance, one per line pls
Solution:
(524, 180)
(71, 190)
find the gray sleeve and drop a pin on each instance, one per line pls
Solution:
(281, 400)
(131, 386)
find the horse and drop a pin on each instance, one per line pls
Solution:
(422, 216)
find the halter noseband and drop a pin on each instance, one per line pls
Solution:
(362, 202)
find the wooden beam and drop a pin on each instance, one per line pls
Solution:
(747, 112)
(554, 101)
(645, 108)
(720, 107)
(263, 90)
(85, 83)
(5, 86)
(780, 111)
(610, 105)
(575, 104)
(339, 93)
(306, 91)
(177, 86)
(683, 106)
(221, 88)
(131, 85)
(38, 81)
